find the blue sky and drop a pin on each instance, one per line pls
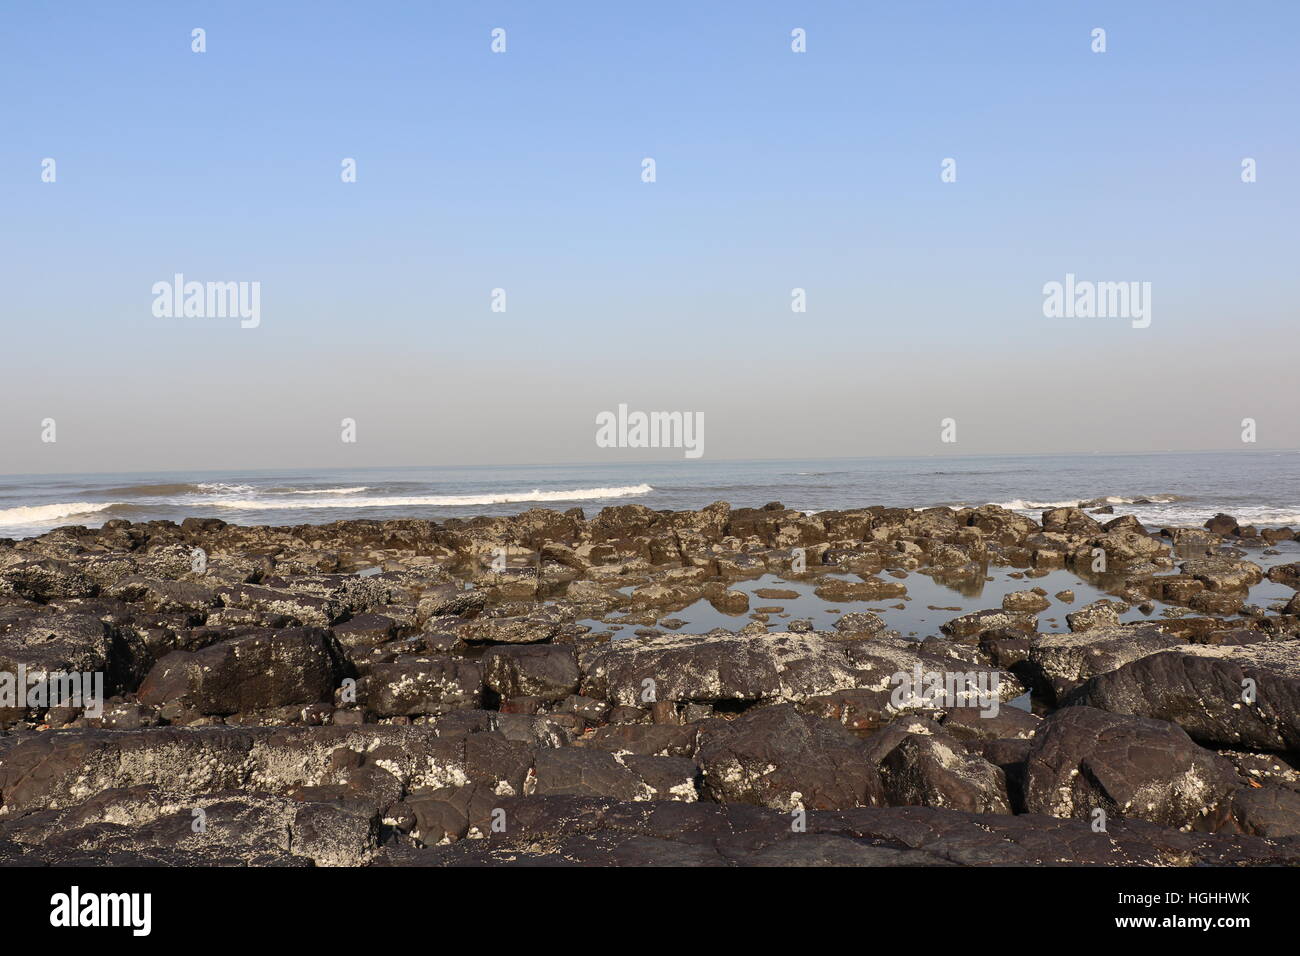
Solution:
(521, 171)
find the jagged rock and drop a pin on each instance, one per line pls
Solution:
(1288, 574)
(921, 765)
(46, 579)
(508, 630)
(1070, 521)
(1025, 602)
(978, 622)
(53, 642)
(1223, 574)
(859, 622)
(1221, 524)
(1095, 615)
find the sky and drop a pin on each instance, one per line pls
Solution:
(522, 171)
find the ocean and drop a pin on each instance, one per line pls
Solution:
(1259, 487)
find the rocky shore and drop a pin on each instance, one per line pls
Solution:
(526, 690)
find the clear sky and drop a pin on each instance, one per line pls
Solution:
(522, 171)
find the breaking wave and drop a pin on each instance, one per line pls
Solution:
(1019, 504)
(436, 501)
(34, 514)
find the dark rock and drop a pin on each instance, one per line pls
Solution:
(1202, 688)
(778, 757)
(248, 673)
(1083, 759)
(419, 685)
(545, 671)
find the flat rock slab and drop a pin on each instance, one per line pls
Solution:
(566, 831)
(762, 667)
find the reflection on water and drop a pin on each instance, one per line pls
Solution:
(937, 596)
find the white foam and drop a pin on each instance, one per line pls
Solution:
(436, 501)
(321, 491)
(36, 514)
(329, 491)
(1019, 504)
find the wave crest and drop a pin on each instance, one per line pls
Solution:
(437, 501)
(35, 514)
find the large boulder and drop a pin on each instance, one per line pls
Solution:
(921, 765)
(1244, 695)
(1083, 759)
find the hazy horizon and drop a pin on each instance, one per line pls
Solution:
(664, 458)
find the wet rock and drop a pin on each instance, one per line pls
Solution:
(1223, 574)
(1070, 521)
(1095, 615)
(1126, 546)
(546, 671)
(838, 591)
(1204, 690)
(1025, 602)
(422, 685)
(1288, 574)
(1062, 662)
(1221, 524)
(777, 757)
(249, 673)
(1083, 759)
(859, 622)
(978, 622)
